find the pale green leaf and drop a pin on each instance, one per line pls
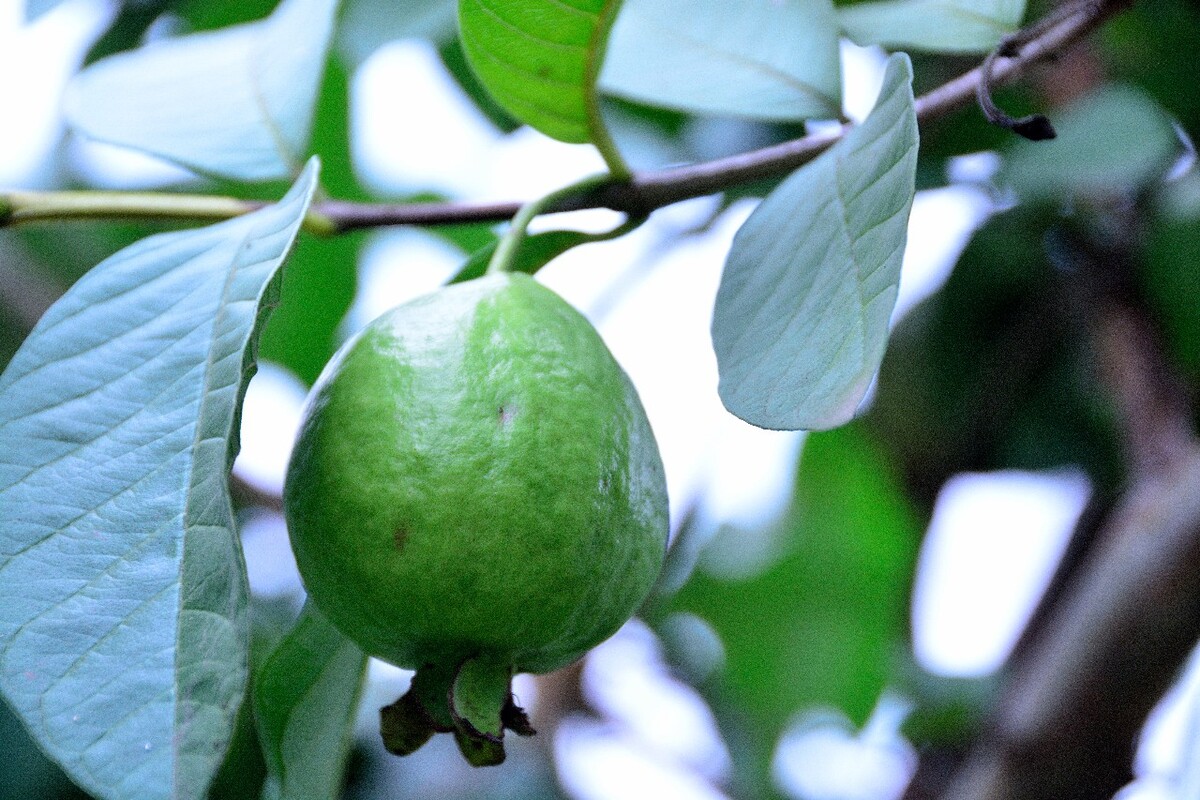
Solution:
(1113, 140)
(123, 625)
(235, 103)
(755, 58)
(947, 26)
(801, 317)
(305, 701)
(540, 60)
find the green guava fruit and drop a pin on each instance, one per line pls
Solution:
(475, 491)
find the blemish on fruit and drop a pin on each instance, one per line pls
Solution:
(400, 537)
(505, 414)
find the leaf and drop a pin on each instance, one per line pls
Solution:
(234, 103)
(305, 701)
(819, 625)
(1116, 139)
(801, 317)
(123, 630)
(536, 251)
(540, 59)
(946, 26)
(756, 58)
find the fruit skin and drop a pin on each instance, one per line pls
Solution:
(475, 479)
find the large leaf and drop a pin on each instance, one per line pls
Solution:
(1113, 140)
(801, 317)
(820, 625)
(235, 103)
(305, 700)
(540, 59)
(951, 26)
(756, 58)
(122, 588)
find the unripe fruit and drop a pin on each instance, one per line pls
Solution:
(475, 492)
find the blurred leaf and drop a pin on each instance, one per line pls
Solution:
(242, 771)
(949, 26)
(991, 372)
(1114, 140)
(1152, 44)
(27, 774)
(35, 8)
(65, 259)
(536, 251)
(317, 289)
(540, 60)
(761, 59)
(235, 103)
(821, 624)
(322, 275)
(125, 33)
(305, 701)
(331, 135)
(122, 589)
(207, 15)
(1171, 282)
(367, 25)
(947, 711)
(801, 317)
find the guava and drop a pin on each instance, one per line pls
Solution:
(475, 491)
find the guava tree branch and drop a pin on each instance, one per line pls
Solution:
(1079, 688)
(644, 192)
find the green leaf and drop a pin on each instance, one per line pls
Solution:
(801, 318)
(536, 251)
(1169, 282)
(234, 103)
(762, 59)
(820, 624)
(946, 26)
(540, 59)
(123, 625)
(480, 692)
(305, 701)
(1116, 139)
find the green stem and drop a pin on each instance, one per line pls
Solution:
(510, 243)
(17, 207)
(601, 138)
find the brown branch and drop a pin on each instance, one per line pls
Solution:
(645, 191)
(1101, 654)
(1067, 723)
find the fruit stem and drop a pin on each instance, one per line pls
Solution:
(506, 251)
